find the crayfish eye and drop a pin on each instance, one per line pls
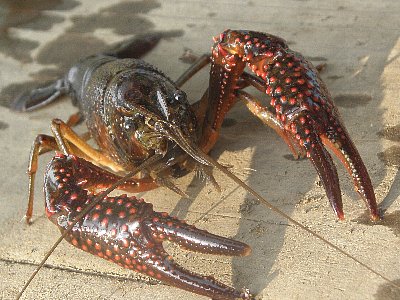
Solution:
(179, 96)
(132, 124)
(150, 122)
(191, 127)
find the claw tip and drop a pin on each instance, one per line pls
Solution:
(27, 220)
(246, 251)
(375, 217)
(340, 216)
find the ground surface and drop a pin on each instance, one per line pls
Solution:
(359, 42)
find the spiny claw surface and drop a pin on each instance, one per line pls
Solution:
(300, 107)
(127, 231)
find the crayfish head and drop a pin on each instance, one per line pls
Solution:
(150, 115)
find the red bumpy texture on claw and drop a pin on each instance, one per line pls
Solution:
(125, 230)
(300, 107)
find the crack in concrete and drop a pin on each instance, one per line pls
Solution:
(139, 279)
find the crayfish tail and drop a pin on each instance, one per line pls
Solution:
(39, 97)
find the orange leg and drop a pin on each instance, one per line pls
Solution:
(68, 142)
(269, 119)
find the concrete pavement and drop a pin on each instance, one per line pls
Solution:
(359, 42)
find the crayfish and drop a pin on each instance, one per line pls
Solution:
(147, 133)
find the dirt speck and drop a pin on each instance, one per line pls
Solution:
(317, 58)
(326, 18)
(258, 230)
(360, 43)
(335, 77)
(248, 206)
(3, 125)
(229, 122)
(352, 100)
(321, 67)
(291, 42)
(391, 156)
(292, 158)
(391, 133)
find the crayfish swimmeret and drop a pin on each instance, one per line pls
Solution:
(142, 122)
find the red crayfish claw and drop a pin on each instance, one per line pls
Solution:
(299, 107)
(127, 231)
(313, 133)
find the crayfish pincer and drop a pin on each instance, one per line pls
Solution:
(125, 230)
(300, 108)
(143, 123)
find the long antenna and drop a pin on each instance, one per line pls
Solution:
(286, 216)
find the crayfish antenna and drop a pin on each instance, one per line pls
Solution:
(205, 173)
(268, 204)
(166, 182)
